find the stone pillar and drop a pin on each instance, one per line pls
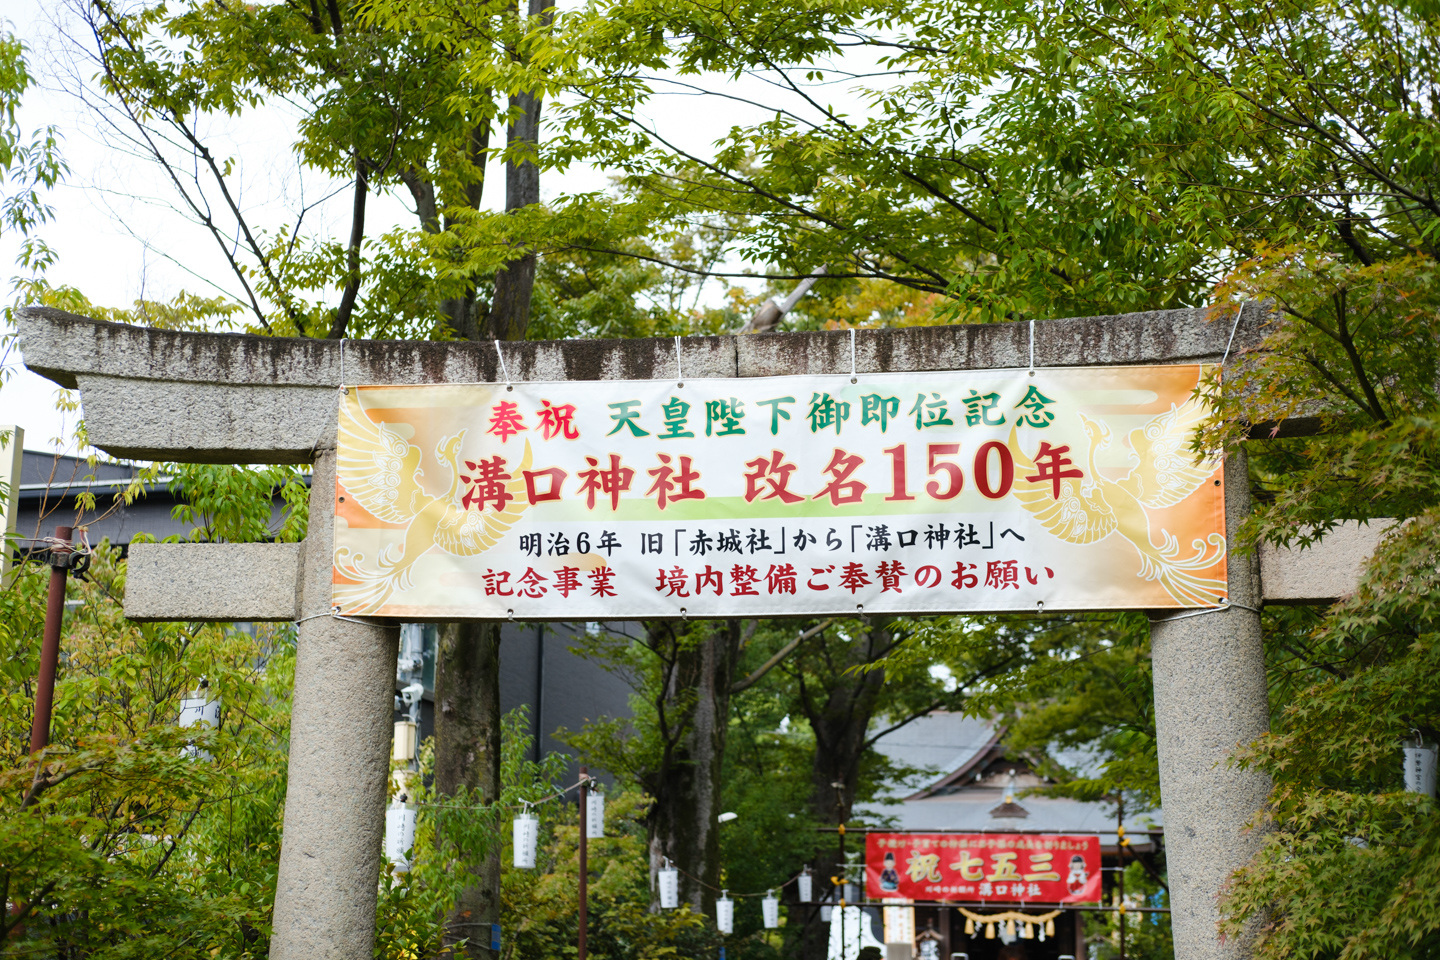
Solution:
(340, 739)
(1210, 697)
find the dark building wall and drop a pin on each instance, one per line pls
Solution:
(539, 669)
(51, 487)
(563, 689)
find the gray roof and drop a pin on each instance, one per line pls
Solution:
(938, 744)
(962, 782)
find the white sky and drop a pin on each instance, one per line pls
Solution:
(120, 236)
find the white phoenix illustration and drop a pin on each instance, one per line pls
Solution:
(1089, 510)
(381, 470)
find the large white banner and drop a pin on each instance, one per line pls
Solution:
(908, 493)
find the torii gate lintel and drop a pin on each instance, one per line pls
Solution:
(226, 398)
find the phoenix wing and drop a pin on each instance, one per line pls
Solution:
(1168, 471)
(377, 466)
(1075, 516)
(464, 532)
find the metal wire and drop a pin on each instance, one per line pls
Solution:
(1226, 605)
(1233, 327)
(335, 615)
(503, 372)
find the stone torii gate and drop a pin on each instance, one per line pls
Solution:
(229, 398)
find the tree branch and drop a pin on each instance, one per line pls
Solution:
(770, 664)
(352, 253)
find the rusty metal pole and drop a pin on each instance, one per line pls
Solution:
(840, 888)
(584, 833)
(1120, 859)
(60, 555)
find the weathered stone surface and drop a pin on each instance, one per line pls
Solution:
(230, 398)
(213, 581)
(58, 345)
(1211, 697)
(1169, 336)
(340, 735)
(1323, 572)
(207, 422)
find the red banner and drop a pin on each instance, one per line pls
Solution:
(994, 867)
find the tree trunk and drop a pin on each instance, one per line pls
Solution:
(467, 754)
(467, 727)
(515, 282)
(840, 714)
(465, 313)
(510, 315)
(695, 714)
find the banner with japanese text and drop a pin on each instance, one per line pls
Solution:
(910, 493)
(985, 867)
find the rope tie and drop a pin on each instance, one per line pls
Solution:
(852, 355)
(1032, 347)
(679, 376)
(81, 547)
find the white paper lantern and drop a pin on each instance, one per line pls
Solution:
(399, 834)
(1419, 768)
(770, 910)
(725, 913)
(527, 838)
(198, 708)
(669, 879)
(595, 815)
(804, 887)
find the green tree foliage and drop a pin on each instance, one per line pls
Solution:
(222, 500)
(1079, 683)
(118, 840)
(452, 831)
(1347, 869)
(588, 294)
(1147, 935)
(1013, 159)
(807, 701)
(380, 108)
(1030, 159)
(28, 167)
(674, 750)
(540, 905)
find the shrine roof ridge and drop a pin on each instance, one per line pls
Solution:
(60, 345)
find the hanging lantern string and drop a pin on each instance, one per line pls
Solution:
(737, 896)
(525, 804)
(560, 793)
